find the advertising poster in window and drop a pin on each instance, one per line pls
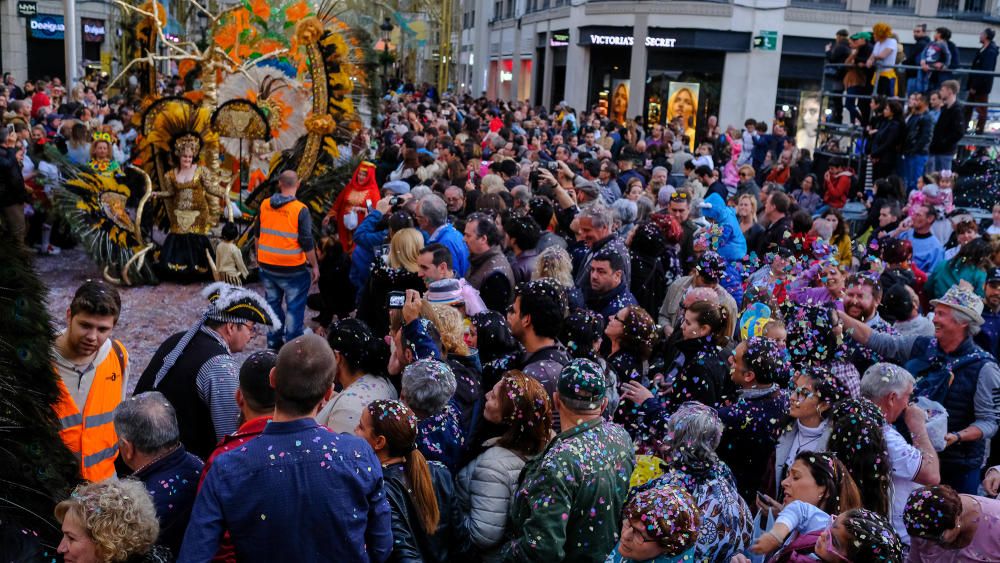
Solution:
(807, 124)
(682, 105)
(618, 108)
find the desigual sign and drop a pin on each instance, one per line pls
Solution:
(47, 27)
(93, 30)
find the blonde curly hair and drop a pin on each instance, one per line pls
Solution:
(119, 517)
(555, 263)
(451, 327)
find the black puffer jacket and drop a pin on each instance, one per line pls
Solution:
(12, 191)
(692, 370)
(410, 543)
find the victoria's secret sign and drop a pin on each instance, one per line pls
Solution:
(626, 40)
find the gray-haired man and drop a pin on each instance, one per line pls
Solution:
(890, 388)
(149, 444)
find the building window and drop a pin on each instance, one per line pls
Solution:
(509, 13)
(498, 9)
(968, 7)
(894, 6)
(821, 4)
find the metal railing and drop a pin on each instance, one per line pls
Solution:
(855, 132)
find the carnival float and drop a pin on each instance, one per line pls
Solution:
(276, 85)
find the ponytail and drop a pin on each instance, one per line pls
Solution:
(716, 317)
(725, 331)
(418, 474)
(396, 422)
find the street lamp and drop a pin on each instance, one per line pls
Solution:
(386, 28)
(202, 18)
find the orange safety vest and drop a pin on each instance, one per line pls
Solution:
(90, 435)
(278, 244)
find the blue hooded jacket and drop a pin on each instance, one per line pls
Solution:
(733, 246)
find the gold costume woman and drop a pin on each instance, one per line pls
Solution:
(193, 204)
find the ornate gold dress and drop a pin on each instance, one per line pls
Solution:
(188, 204)
(193, 210)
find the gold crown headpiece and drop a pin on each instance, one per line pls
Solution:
(187, 143)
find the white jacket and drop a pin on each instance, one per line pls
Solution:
(484, 490)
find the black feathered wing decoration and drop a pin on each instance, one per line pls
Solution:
(36, 469)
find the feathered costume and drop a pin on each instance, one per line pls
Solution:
(96, 206)
(282, 48)
(36, 469)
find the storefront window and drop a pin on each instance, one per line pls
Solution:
(686, 88)
(609, 82)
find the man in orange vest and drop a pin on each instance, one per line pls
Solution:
(93, 370)
(287, 257)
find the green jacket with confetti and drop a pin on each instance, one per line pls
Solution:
(569, 500)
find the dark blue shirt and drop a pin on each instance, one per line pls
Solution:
(172, 482)
(297, 492)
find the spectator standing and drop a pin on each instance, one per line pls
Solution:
(523, 234)
(952, 370)
(949, 129)
(149, 442)
(13, 193)
(419, 493)
(195, 370)
(109, 520)
(570, 497)
(264, 499)
(779, 224)
(692, 436)
(93, 373)
(536, 320)
(857, 80)
(927, 249)
(890, 387)
(358, 357)
(432, 216)
(608, 291)
(484, 489)
(255, 397)
(837, 53)
(883, 58)
(916, 147)
(284, 248)
(888, 139)
(913, 52)
(989, 337)
(754, 422)
(934, 62)
(945, 525)
(489, 270)
(980, 85)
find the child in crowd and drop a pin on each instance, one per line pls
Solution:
(229, 266)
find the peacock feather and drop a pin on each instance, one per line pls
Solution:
(36, 468)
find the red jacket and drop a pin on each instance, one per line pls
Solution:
(248, 431)
(838, 187)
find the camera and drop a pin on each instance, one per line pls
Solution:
(552, 165)
(396, 299)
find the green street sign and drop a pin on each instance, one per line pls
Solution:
(767, 40)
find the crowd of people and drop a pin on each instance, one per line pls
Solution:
(546, 336)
